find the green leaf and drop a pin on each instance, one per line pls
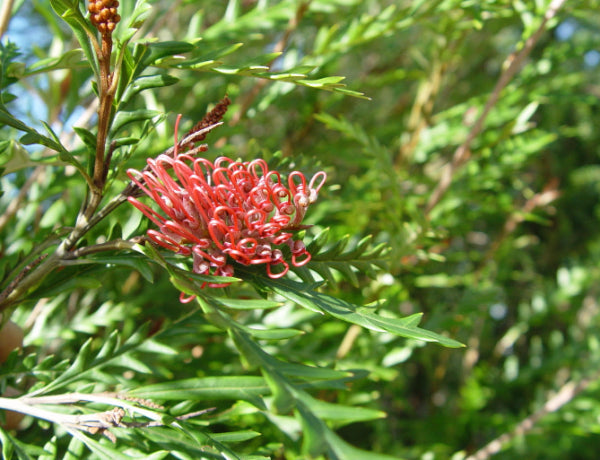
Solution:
(165, 49)
(130, 363)
(273, 334)
(16, 158)
(235, 436)
(343, 414)
(146, 82)
(54, 214)
(75, 450)
(131, 226)
(69, 11)
(102, 450)
(320, 439)
(363, 316)
(203, 61)
(327, 83)
(51, 450)
(282, 397)
(131, 261)
(88, 138)
(12, 447)
(70, 60)
(189, 443)
(85, 364)
(135, 19)
(246, 388)
(77, 367)
(246, 304)
(344, 257)
(123, 118)
(7, 445)
(32, 136)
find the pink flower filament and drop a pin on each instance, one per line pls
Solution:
(226, 210)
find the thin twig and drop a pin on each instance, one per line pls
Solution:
(348, 341)
(83, 225)
(566, 394)
(96, 421)
(543, 198)
(5, 13)
(15, 204)
(20, 276)
(512, 65)
(279, 47)
(114, 245)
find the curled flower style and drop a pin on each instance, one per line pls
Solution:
(226, 210)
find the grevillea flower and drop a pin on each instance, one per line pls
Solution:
(226, 211)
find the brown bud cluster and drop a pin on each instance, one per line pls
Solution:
(103, 14)
(211, 118)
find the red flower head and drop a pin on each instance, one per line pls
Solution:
(226, 210)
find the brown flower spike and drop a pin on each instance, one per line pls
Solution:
(103, 14)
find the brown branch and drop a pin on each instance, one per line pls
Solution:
(543, 198)
(114, 245)
(5, 13)
(15, 204)
(97, 421)
(11, 286)
(566, 394)
(549, 194)
(103, 15)
(512, 65)
(249, 97)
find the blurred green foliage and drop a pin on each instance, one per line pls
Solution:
(505, 262)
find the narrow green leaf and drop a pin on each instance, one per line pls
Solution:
(344, 414)
(235, 436)
(362, 316)
(211, 58)
(109, 346)
(70, 13)
(123, 118)
(70, 60)
(146, 82)
(7, 445)
(311, 373)
(341, 450)
(205, 388)
(135, 20)
(130, 363)
(131, 261)
(78, 366)
(131, 226)
(51, 450)
(189, 443)
(54, 214)
(164, 49)
(75, 450)
(103, 451)
(88, 138)
(282, 397)
(31, 136)
(22, 450)
(247, 304)
(320, 439)
(273, 334)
